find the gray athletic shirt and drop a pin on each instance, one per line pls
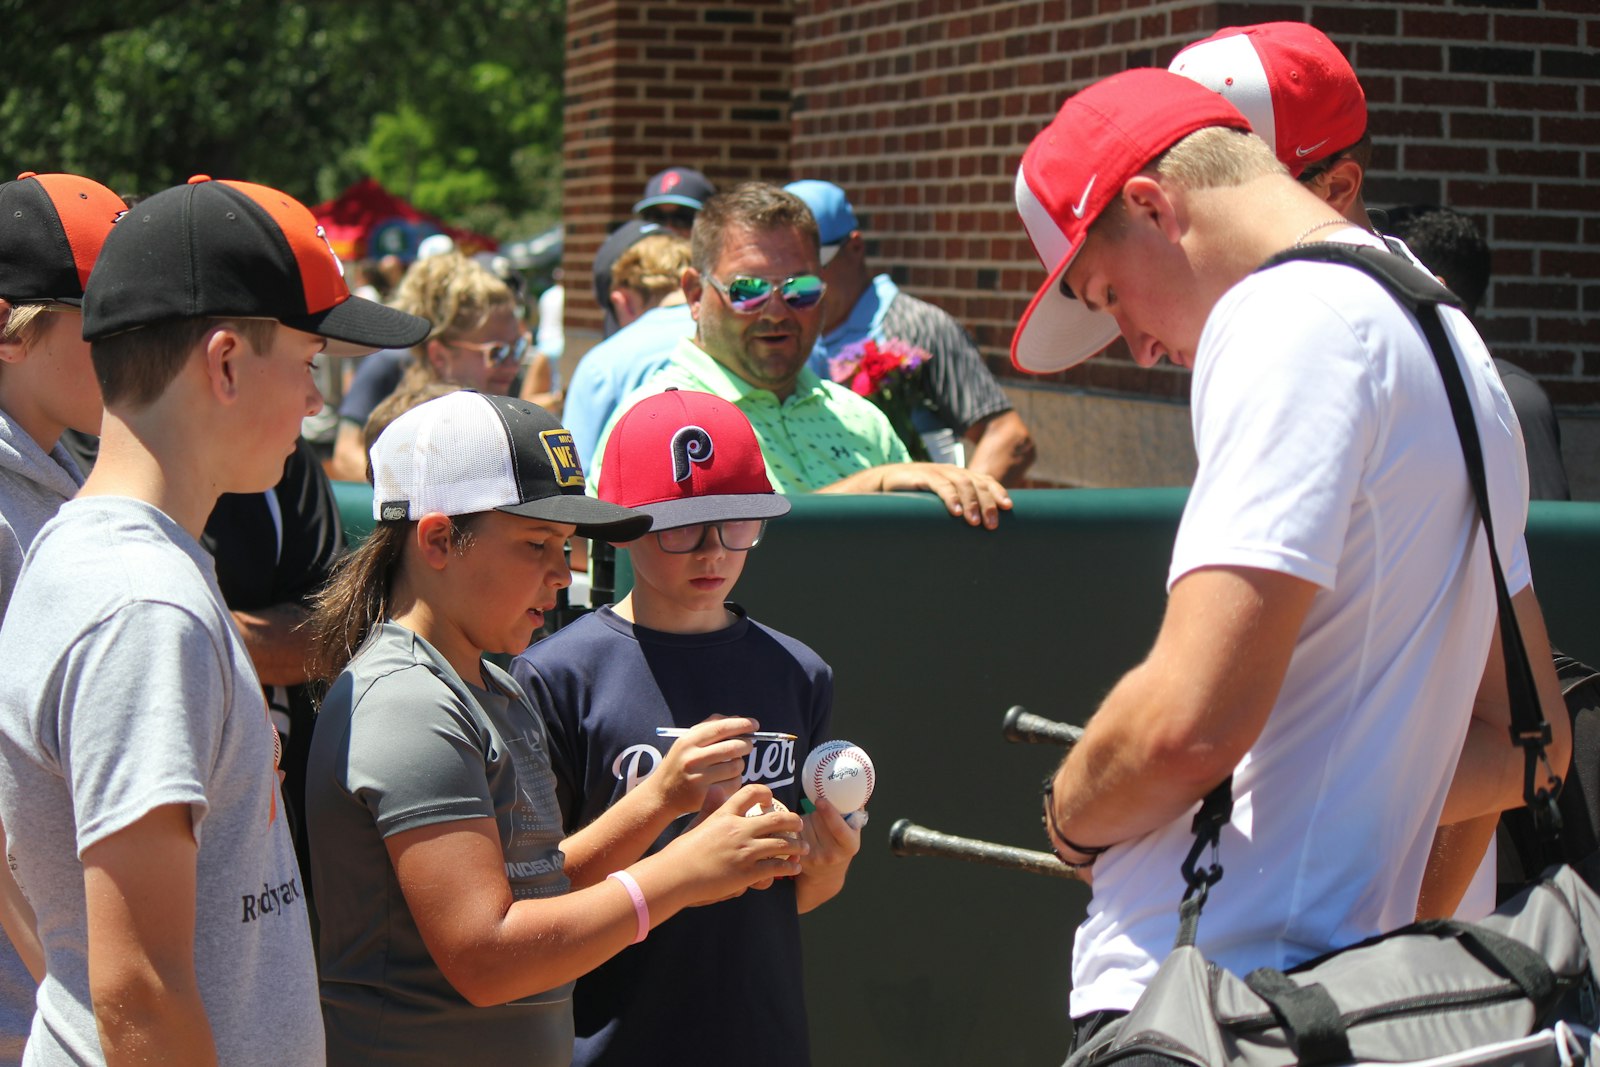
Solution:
(127, 688)
(402, 743)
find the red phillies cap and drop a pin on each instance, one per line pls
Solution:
(215, 249)
(1077, 165)
(683, 457)
(51, 230)
(1291, 82)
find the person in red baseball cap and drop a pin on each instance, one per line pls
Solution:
(675, 657)
(142, 787)
(1303, 98)
(1328, 579)
(51, 229)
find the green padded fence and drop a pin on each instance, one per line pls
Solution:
(933, 630)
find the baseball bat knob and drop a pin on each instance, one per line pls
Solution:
(1023, 726)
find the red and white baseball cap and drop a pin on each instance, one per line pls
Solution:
(1099, 139)
(1293, 84)
(51, 230)
(215, 249)
(684, 457)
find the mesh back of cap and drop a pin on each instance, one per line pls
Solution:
(449, 455)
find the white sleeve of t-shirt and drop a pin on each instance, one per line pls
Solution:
(1284, 413)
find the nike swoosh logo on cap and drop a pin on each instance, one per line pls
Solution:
(1083, 201)
(1304, 152)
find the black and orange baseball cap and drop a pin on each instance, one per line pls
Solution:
(51, 230)
(216, 249)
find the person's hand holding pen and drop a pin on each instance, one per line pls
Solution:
(706, 755)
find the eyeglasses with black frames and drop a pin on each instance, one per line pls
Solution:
(736, 535)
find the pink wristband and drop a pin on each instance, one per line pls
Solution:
(641, 909)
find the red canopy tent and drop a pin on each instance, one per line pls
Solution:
(366, 208)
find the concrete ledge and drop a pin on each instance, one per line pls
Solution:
(1098, 441)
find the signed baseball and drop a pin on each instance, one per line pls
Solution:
(840, 771)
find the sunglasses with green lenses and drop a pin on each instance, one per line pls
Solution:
(748, 295)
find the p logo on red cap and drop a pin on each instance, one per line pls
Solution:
(690, 445)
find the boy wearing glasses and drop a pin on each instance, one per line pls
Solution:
(670, 654)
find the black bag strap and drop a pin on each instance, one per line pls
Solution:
(1522, 965)
(1308, 1015)
(1423, 294)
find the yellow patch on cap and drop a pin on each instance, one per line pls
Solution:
(563, 457)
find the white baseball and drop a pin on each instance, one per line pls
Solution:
(840, 771)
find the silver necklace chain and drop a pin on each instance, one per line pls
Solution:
(1298, 241)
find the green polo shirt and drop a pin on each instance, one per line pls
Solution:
(821, 434)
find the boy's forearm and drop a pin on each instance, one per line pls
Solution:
(140, 1024)
(813, 888)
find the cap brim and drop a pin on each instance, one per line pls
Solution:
(720, 508)
(681, 201)
(825, 253)
(1058, 332)
(356, 326)
(596, 519)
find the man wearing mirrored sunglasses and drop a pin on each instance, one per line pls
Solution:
(755, 292)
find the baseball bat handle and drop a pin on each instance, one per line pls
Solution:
(1022, 725)
(906, 838)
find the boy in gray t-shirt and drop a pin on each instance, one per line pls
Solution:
(137, 763)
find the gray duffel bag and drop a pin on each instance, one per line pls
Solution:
(1426, 991)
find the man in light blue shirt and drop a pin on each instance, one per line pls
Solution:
(654, 313)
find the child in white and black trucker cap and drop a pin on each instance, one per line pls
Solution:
(677, 654)
(455, 912)
(140, 789)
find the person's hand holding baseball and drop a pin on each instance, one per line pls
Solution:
(712, 754)
(832, 842)
(728, 852)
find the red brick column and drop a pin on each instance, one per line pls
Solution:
(652, 84)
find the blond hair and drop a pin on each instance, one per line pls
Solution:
(653, 266)
(1215, 157)
(22, 325)
(456, 295)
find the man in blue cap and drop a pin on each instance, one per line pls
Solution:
(964, 404)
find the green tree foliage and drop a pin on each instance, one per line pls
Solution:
(454, 104)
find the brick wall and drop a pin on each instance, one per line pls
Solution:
(921, 110)
(652, 84)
